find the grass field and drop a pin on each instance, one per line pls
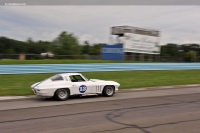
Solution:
(20, 84)
(7, 62)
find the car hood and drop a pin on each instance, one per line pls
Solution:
(94, 80)
(105, 81)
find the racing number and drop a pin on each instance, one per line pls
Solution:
(82, 88)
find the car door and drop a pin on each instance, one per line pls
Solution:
(81, 86)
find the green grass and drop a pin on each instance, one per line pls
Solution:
(60, 61)
(20, 84)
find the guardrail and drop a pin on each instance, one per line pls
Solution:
(59, 68)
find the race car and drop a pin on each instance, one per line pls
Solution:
(64, 85)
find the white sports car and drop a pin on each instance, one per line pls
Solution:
(61, 86)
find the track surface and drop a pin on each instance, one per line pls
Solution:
(159, 114)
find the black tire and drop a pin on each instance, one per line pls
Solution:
(109, 91)
(62, 94)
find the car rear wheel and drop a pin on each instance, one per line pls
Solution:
(109, 91)
(62, 94)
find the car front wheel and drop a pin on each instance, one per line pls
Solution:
(62, 94)
(109, 91)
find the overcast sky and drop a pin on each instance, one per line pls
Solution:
(178, 24)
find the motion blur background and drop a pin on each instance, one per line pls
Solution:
(80, 32)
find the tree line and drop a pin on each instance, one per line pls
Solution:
(188, 52)
(68, 44)
(64, 44)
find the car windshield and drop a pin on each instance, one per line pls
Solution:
(56, 78)
(85, 78)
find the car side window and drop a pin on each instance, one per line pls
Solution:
(76, 78)
(57, 78)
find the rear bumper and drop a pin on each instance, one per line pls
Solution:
(43, 92)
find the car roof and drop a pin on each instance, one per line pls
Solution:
(68, 74)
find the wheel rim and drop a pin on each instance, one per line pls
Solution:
(62, 94)
(109, 91)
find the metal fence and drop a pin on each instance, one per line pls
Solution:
(156, 58)
(38, 56)
(137, 58)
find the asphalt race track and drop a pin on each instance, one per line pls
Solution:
(163, 112)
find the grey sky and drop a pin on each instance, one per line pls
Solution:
(178, 24)
(103, 2)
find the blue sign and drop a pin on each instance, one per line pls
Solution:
(112, 52)
(82, 88)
